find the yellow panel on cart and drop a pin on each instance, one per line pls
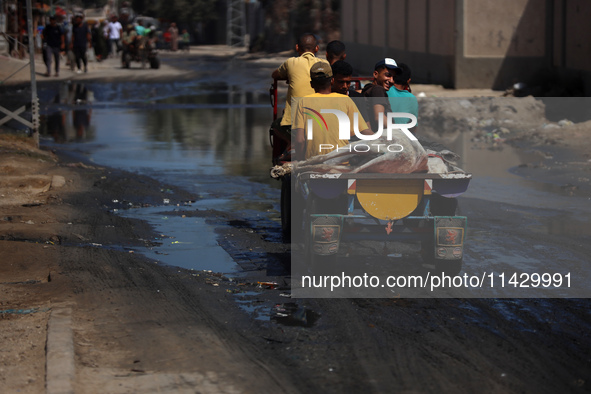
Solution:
(389, 199)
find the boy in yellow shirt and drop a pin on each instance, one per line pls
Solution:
(325, 133)
(296, 71)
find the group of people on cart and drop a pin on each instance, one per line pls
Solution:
(314, 81)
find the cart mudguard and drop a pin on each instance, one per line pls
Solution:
(325, 234)
(449, 234)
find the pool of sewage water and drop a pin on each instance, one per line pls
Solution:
(213, 140)
(214, 144)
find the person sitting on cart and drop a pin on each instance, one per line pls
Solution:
(335, 51)
(376, 92)
(341, 83)
(142, 35)
(140, 29)
(342, 77)
(128, 38)
(400, 94)
(326, 138)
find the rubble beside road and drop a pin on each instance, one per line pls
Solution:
(492, 123)
(36, 220)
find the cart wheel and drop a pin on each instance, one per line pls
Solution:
(154, 63)
(126, 60)
(443, 206)
(286, 205)
(310, 208)
(449, 267)
(323, 265)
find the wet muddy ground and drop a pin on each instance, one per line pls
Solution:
(203, 253)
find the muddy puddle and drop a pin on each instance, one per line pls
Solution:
(494, 170)
(285, 313)
(213, 140)
(186, 242)
(252, 303)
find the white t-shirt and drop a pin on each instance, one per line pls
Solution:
(114, 29)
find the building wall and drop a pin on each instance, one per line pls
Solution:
(571, 45)
(577, 30)
(473, 43)
(415, 32)
(490, 33)
(502, 42)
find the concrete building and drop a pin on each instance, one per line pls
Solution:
(475, 43)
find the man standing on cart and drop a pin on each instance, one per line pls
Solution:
(296, 71)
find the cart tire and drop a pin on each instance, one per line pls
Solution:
(286, 205)
(310, 208)
(155, 63)
(126, 60)
(323, 265)
(449, 267)
(443, 206)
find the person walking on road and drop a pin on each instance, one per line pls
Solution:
(115, 30)
(174, 36)
(105, 33)
(98, 41)
(53, 44)
(185, 41)
(81, 40)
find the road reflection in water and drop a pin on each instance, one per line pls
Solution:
(72, 123)
(213, 142)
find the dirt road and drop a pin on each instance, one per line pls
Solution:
(138, 326)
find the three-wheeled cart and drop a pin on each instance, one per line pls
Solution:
(334, 208)
(339, 207)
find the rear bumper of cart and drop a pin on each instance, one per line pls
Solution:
(384, 207)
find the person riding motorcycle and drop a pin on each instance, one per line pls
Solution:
(129, 38)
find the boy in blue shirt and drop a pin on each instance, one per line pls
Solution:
(400, 96)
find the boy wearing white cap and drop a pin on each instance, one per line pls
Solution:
(377, 91)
